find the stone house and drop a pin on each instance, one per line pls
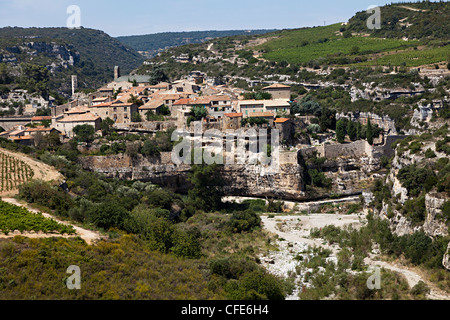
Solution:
(278, 106)
(232, 121)
(120, 112)
(247, 107)
(70, 121)
(269, 116)
(153, 105)
(279, 91)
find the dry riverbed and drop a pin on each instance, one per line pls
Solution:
(293, 239)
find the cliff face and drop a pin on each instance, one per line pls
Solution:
(433, 224)
(246, 180)
(349, 176)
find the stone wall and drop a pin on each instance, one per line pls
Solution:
(355, 149)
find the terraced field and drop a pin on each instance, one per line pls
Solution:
(13, 172)
(17, 168)
(304, 45)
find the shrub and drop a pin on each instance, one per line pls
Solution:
(420, 289)
(274, 206)
(430, 154)
(244, 221)
(109, 215)
(416, 179)
(42, 193)
(415, 210)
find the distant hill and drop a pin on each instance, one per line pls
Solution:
(90, 54)
(411, 35)
(421, 20)
(151, 44)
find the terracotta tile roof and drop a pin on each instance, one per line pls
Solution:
(41, 118)
(219, 98)
(106, 104)
(281, 120)
(16, 132)
(260, 114)
(121, 104)
(77, 110)
(85, 117)
(21, 138)
(100, 99)
(276, 86)
(251, 102)
(182, 101)
(39, 129)
(151, 105)
(277, 103)
(233, 115)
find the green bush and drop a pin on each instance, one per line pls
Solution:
(42, 193)
(244, 221)
(416, 179)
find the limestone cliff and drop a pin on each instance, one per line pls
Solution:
(247, 180)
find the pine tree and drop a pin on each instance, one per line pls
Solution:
(340, 131)
(369, 132)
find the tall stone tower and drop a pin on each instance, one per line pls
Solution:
(116, 72)
(74, 84)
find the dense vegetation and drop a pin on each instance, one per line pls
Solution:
(94, 53)
(428, 20)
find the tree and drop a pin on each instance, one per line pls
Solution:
(136, 117)
(359, 133)
(164, 110)
(206, 180)
(369, 132)
(197, 113)
(157, 75)
(136, 101)
(327, 119)
(107, 126)
(340, 131)
(85, 132)
(149, 148)
(351, 130)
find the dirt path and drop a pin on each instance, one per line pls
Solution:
(87, 235)
(296, 230)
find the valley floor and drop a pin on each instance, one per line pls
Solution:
(293, 237)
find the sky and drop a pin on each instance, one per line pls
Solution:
(124, 17)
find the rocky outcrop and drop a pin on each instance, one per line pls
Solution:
(246, 180)
(434, 226)
(446, 258)
(65, 55)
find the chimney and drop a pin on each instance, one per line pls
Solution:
(116, 72)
